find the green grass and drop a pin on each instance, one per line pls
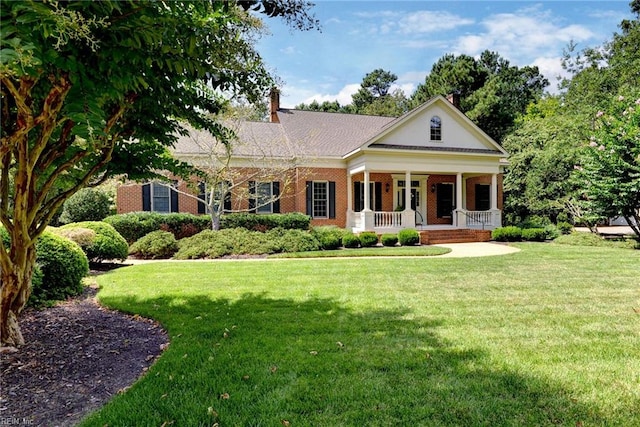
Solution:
(546, 336)
(368, 252)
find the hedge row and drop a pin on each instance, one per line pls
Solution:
(133, 226)
(512, 233)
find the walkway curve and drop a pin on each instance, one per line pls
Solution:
(468, 250)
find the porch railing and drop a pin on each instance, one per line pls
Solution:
(388, 219)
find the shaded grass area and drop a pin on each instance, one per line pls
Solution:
(546, 336)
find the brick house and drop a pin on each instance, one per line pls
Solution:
(431, 168)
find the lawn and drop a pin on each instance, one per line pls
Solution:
(546, 336)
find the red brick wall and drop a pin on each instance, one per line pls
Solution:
(432, 214)
(471, 190)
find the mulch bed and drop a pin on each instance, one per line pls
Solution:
(76, 357)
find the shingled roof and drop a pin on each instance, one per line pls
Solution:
(299, 132)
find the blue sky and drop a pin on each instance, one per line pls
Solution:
(408, 37)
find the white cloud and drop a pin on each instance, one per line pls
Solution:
(551, 68)
(343, 96)
(425, 21)
(521, 35)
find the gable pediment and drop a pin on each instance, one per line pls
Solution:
(457, 132)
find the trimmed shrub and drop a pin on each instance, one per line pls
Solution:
(63, 265)
(534, 234)
(294, 240)
(132, 226)
(389, 239)
(236, 241)
(88, 204)
(256, 222)
(108, 243)
(368, 239)
(330, 236)
(507, 234)
(409, 237)
(60, 266)
(84, 237)
(350, 240)
(157, 244)
(565, 227)
(551, 231)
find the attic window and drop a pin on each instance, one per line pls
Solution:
(436, 129)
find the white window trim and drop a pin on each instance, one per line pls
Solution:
(152, 196)
(313, 199)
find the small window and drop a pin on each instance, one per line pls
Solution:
(436, 128)
(265, 197)
(158, 197)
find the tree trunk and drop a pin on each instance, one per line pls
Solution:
(15, 286)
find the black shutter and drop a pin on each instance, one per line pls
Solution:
(252, 196)
(227, 197)
(378, 190)
(310, 198)
(332, 199)
(276, 195)
(146, 197)
(174, 200)
(357, 206)
(202, 208)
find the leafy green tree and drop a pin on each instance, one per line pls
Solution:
(95, 89)
(609, 172)
(492, 92)
(374, 96)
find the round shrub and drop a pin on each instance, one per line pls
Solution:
(88, 204)
(507, 234)
(206, 244)
(368, 239)
(389, 239)
(409, 237)
(565, 227)
(534, 234)
(63, 265)
(108, 243)
(135, 225)
(295, 240)
(330, 237)
(84, 237)
(350, 240)
(157, 244)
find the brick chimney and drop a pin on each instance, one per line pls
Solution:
(454, 98)
(274, 105)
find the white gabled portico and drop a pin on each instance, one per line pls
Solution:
(429, 172)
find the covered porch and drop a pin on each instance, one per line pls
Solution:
(389, 201)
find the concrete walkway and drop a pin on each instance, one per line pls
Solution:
(467, 250)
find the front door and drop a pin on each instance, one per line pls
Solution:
(445, 200)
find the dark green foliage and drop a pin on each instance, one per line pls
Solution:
(578, 238)
(565, 227)
(132, 226)
(534, 234)
(157, 244)
(257, 222)
(509, 233)
(294, 240)
(409, 237)
(107, 244)
(88, 204)
(368, 239)
(330, 237)
(389, 239)
(233, 241)
(63, 265)
(350, 240)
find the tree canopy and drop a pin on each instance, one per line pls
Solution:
(95, 89)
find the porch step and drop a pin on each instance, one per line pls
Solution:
(457, 235)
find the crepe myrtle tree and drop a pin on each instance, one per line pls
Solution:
(609, 172)
(91, 90)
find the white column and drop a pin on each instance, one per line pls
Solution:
(367, 195)
(459, 191)
(407, 190)
(494, 192)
